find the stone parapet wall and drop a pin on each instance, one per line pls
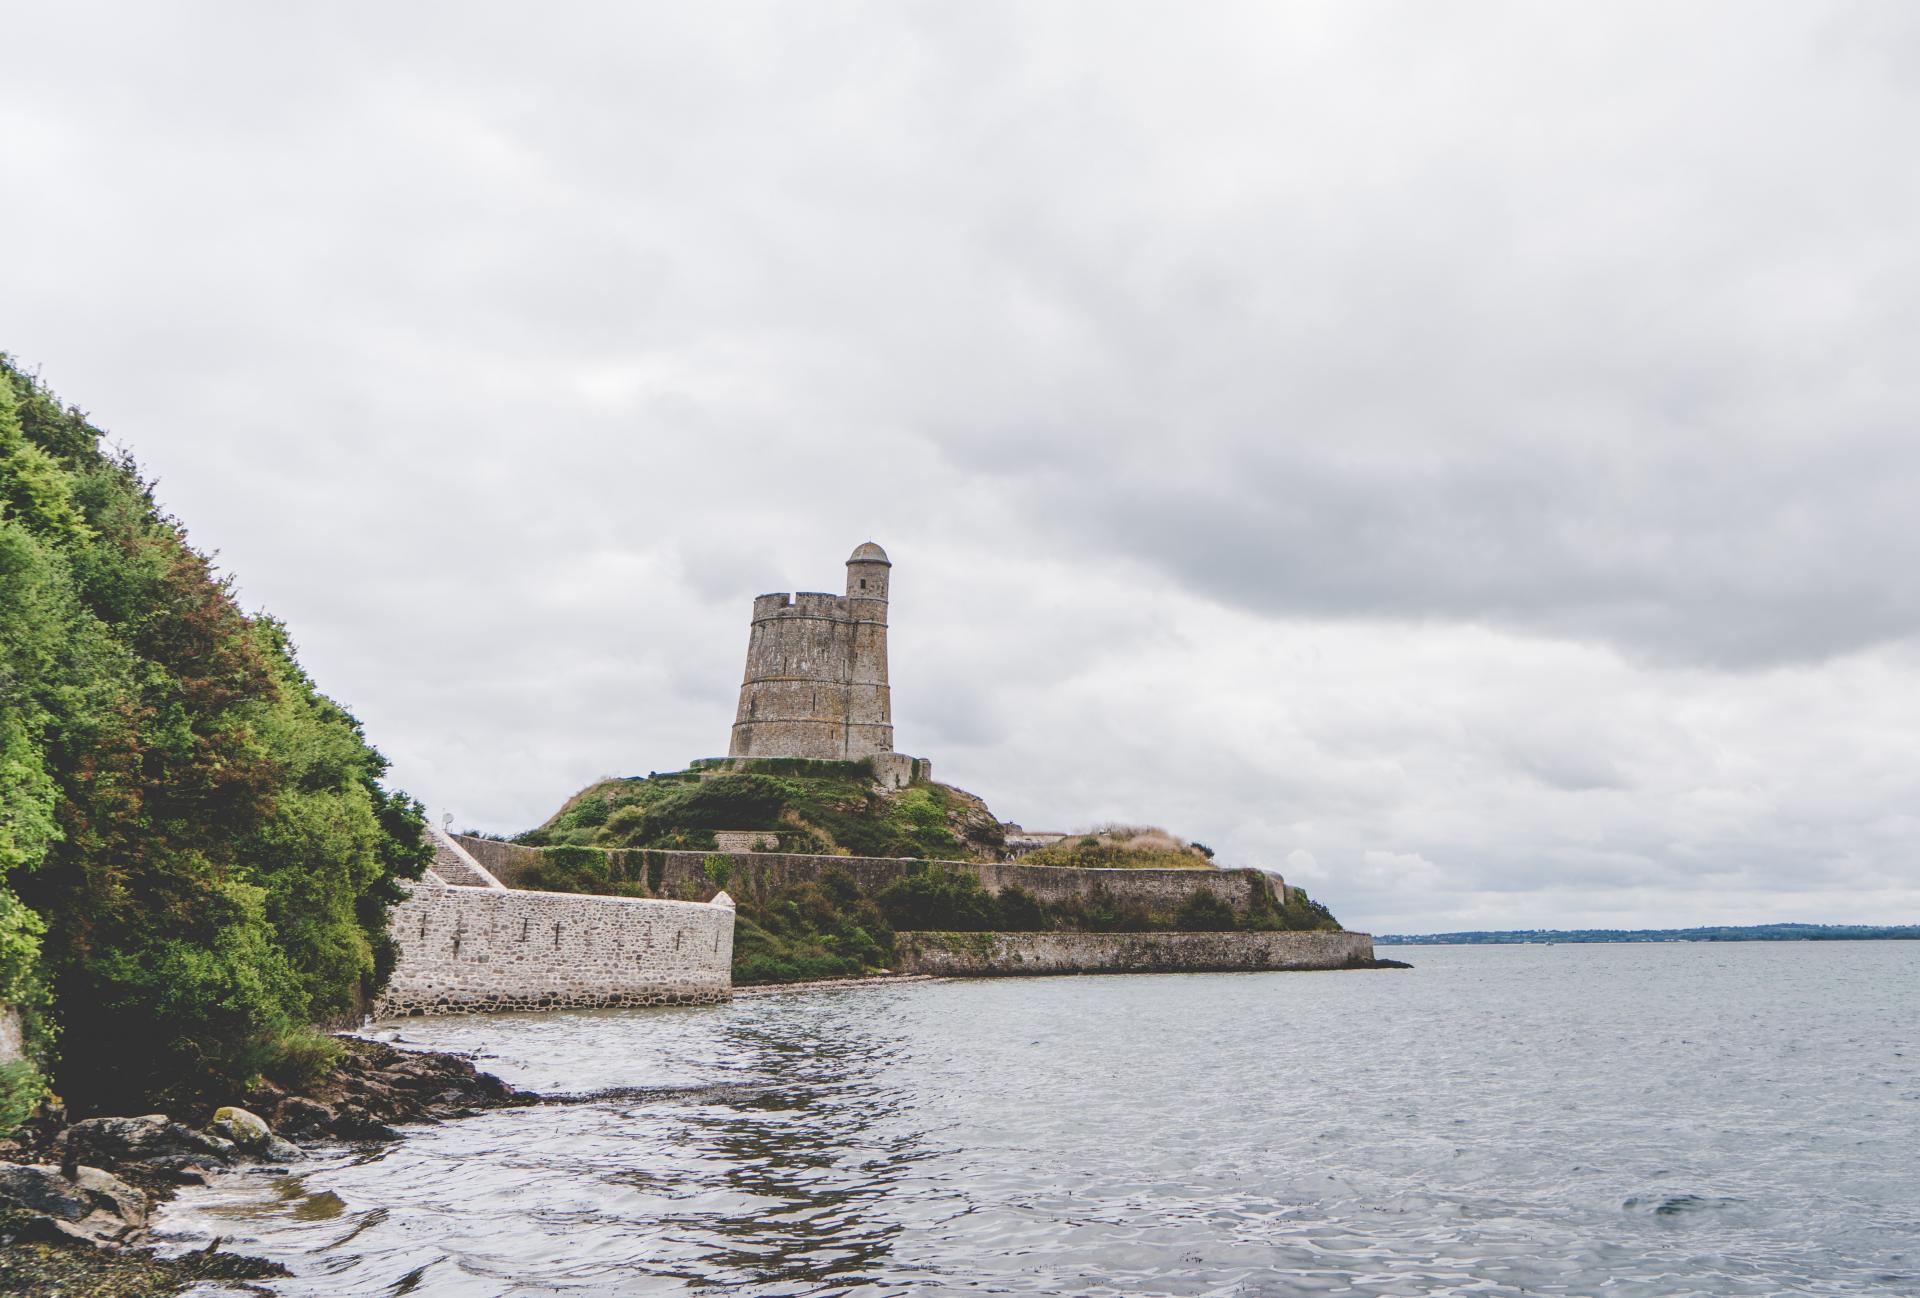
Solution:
(757, 875)
(1014, 954)
(471, 949)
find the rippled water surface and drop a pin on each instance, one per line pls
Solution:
(1580, 1120)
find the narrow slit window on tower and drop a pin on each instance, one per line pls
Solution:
(863, 583)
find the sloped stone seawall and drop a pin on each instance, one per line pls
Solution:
(757, 875)
(470, 949)
(1004, 954)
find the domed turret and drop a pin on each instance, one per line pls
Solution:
(867, 569)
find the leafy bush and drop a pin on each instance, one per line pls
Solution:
(1304, 914)
(1270, 911)
(202, 836)
(1203, 912)
(940, 897)
(1103, 912)
(583, 869)
(828, 929)
(1022, 912)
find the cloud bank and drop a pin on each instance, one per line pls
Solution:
(1465, 458)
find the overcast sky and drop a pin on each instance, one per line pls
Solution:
(1465, 457)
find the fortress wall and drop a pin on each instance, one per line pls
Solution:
(759, 874)
(818, 603)
(797, 699)
(816, 679)
(824, 740)
(468, 949)
(1003, 954)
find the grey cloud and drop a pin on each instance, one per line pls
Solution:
(1742, 573)
(1458, 444)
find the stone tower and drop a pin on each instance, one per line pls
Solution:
(816, 679)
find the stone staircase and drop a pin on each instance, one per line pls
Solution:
(453, 864)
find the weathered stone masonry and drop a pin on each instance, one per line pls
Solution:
(815, 685)
(1001, 954)
(480, 946)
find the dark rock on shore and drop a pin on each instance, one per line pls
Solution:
(91, 1205)
(75, 1197)
(36, 1269)
(376, 1084)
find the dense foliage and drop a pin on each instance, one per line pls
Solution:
(825, 929)
(813, 807)
(196, 852)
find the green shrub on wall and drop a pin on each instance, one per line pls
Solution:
(583, 869)
(939, 897)
(1203, 912)
(824, 929)
(1021, 912)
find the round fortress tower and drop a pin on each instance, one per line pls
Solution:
(816, 678)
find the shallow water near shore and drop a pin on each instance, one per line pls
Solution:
(1658, 1120)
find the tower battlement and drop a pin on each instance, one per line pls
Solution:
(816, 678)
(813, 603)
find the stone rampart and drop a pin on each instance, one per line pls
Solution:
(757, 875)
(469, 949)
(1004, 954)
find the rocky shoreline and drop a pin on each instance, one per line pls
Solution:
(76, 1197)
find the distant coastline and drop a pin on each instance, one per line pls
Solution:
(1716, 933)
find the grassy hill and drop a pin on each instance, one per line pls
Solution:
(827, 808)
(832, 809)
(830, 927)
(1124, 847)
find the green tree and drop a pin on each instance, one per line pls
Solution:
(197, 854)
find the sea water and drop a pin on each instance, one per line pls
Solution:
(1621, 1120)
